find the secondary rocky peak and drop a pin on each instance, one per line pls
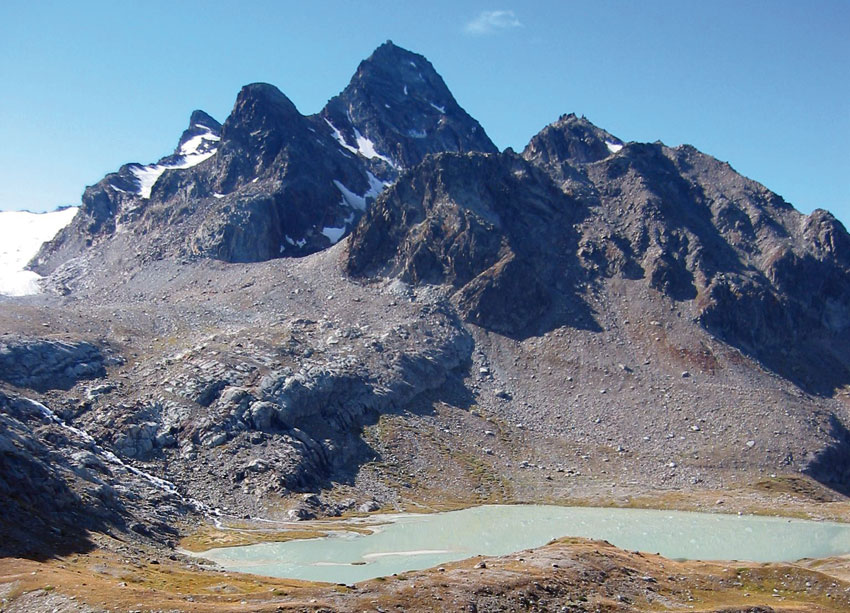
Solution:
(399, 108)
(202, 119)
(827, 237)
(260, 109)
(571, 138)
(493, 227)
(200, 138)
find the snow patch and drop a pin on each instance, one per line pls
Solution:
(298, 243)
(21, 236)
(350, 198)
(367, 148)
(417, 133)
(191, 153)
(376, 186)
(441, 109)
(405, 90)
(147, 176)
(333, 234)
(613, 147)
(217, 195)
(338, 136)
(199, 144)
(355, 201)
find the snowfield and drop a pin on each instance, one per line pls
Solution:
(21, 235)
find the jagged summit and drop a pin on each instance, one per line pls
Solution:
(203, 119)
(398, 102)
(271, 182)
(201, 137)
(574, 139)
(259, 104)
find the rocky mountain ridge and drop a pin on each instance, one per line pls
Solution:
(271, 182)
(587, 315)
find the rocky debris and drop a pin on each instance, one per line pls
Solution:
(369, 506)
(43, 364)
(56, 484)
(138, 440)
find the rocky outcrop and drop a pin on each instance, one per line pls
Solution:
(42, 364)
(314, 415)
(57, 484)
(493, 227)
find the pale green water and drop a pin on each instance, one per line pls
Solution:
(412, 542)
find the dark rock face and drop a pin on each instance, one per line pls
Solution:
(44, 364)
(271, 182)
(398, 102)
(56, 485)
(763, 277)
(832, 465)
(493, 227)
(41, 513)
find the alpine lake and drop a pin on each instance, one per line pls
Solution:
(407, 542)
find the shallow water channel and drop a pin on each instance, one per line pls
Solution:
(410, 542)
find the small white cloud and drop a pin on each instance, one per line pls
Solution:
(489, 22)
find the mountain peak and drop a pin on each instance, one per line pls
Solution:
(260, 110)
(264, 93)
(391, 67)
(398, 102)
(389, 50)
(202, 119)
(574, 139)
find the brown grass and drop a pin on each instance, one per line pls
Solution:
(210, 537)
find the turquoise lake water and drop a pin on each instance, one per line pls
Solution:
(410, 542)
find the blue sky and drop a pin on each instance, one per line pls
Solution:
(764, 85)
